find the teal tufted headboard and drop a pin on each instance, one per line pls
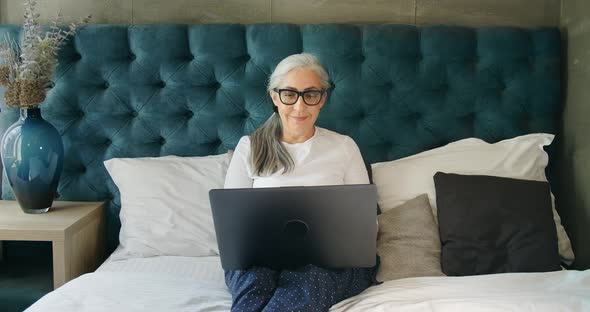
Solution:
(131, 91)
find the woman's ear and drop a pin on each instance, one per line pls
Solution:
(274, 98)
(324, 98)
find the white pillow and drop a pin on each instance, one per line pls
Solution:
(522, 157)
(165, 204)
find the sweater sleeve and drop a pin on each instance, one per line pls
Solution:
(238, 175)
(356, 172)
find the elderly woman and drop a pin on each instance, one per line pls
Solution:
(290, 150)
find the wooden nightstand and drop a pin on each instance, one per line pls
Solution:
(75, 230)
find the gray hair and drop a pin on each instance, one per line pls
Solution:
(297, 61)
(268, 154)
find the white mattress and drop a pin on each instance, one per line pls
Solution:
(197, 284)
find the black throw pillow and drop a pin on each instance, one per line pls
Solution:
(495, 225)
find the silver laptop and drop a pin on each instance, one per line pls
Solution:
(288, 227)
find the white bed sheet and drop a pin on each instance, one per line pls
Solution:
(144, 284)
(540, 292)
(205, 269)
(197, 284)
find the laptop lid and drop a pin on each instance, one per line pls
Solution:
(288, 227)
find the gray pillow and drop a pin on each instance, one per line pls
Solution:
(408, 242)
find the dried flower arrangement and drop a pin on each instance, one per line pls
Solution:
(28, 75)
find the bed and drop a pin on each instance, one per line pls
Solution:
(196, 284)
(403, 93)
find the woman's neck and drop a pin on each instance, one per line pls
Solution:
(292, 138)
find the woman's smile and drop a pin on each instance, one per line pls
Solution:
(300, 118)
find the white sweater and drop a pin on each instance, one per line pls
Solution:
(327, 158)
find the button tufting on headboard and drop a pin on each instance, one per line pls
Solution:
(397, 90)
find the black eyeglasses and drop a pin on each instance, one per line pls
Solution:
(290, 97)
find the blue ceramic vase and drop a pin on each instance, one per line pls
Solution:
(32, 155)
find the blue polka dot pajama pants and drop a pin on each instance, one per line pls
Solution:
(310, 288)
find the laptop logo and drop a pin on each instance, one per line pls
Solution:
(296, 230)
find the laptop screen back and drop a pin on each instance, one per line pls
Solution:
(288, 227)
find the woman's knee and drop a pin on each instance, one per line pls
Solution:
(251, 289)
(257, 277)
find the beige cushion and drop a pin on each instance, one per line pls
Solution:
(408, 241)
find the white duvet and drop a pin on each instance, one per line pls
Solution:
(554, 291)
(196, 284)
